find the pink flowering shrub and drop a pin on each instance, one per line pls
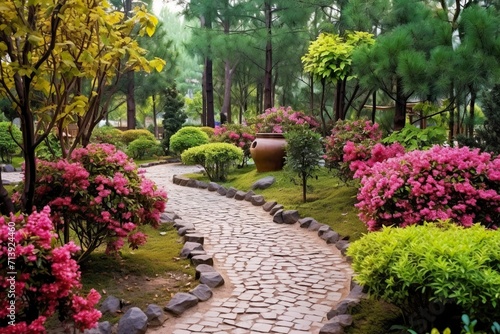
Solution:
(100, 196)
(38, 279)
(360, 159)
(350, 141)
(442, 183)
(279, 120)
(240, 135)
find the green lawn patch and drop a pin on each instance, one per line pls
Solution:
(329, 200)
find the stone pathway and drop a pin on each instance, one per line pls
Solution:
(279, 278)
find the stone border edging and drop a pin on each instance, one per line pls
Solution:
(338, 317)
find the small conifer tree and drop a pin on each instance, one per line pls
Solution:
(303, 154)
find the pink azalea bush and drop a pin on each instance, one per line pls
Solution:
(442, 183)
(38, 279)
(350, 141)
(99, 195)
(281, 119)
(240, 135)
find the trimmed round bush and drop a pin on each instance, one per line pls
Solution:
(187, 137)
(216, 158)
(144, 148)
(129, 136)
(456, 269)
(107, 135)
(440, 183)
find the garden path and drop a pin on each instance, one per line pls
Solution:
(279, 278)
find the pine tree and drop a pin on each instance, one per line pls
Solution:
(488, 136)
(174, 116)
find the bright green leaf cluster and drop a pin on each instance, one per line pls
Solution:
(330, 55)
(216, 158)
(187, 137)
(413, 138)
(441, 263)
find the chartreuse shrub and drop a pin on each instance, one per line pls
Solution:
(129, 136)
(413, 138)
(144, 148)
(468, 327)
(187, 137)
(107, 135)
(38, 278)
(440, 183)
(443, 266)
(208, 130)
(216, 158)
(98, 197)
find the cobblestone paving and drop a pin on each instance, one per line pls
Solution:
(283, 279)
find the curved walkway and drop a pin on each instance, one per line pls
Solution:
(279, 278)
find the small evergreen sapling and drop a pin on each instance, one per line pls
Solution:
(303, 154)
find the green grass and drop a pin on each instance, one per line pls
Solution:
(329, 200)
(150, 274)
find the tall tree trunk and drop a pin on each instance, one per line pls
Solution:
(311, 93)
(268, 75)
(155, 123)
(203, 99)
(130, 82)
(228, 79)
(400, 113)
(374, 106)
(451, 123)
(472, 106)
(209, 91)
(323, 106)
(258, 98)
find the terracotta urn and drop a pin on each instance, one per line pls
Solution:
(268, 151)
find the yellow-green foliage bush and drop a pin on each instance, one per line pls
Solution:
(144, 148)
(458, 268)
(208, 130)
(216, 158)
(107, 135)
(187, 137)
(129, 136)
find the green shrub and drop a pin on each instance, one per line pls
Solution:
(144, 148)
(216, 158)
(413, 138)
(435, 264)
(129, 136)
(9, 135)
(186, 138)
(107, 135)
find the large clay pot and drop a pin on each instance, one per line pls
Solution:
(268, 151)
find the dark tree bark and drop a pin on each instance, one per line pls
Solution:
(130, 82)
(268, 75)
(209, 93)
(400, 114)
